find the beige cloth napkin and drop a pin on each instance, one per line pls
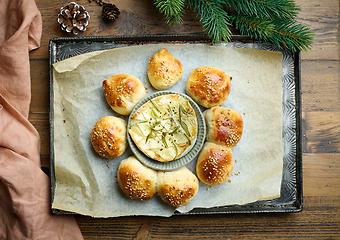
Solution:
(24, 188)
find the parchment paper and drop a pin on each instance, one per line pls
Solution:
(86, 184)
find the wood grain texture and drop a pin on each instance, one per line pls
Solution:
(321, 175)
(323, 18)
(310, 224)
(320, 88)
(136, 18)
(40, 103)
(320, 83)
(320, 95)
(321, 132)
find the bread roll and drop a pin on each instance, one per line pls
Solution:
(108, 137)
(208, 86)
(224, 126)
(177, 187)
(164, 70)
(123, 92)
(214, 164)
(136, 180)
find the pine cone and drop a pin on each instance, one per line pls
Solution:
(73, 18)
(110, 12)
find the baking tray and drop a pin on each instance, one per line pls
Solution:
(291, 186)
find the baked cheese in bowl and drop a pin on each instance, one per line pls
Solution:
(166, 130)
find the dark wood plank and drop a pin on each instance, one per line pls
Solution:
(321, 175)
(39, 108)
(136, 18)
(320, 87)
(323, 18)
(321, 132)
(319, 220)
(40, 87)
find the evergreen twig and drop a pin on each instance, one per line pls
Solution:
(280, 32)
(270, 21)
(173, 10)
(253, 26)
(215, 20)
(271, 9)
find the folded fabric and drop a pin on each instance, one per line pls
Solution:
(24, 188)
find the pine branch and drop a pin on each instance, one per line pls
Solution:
(292, 35)
(270, 21)
(173, 10)
(271, 9)
(280, 32)
(215, 20)
(253, 26)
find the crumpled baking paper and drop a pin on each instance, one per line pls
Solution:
(86, 184)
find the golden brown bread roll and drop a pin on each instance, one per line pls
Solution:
(208, 86)
(164, 70)
(136, 180)
(123, 92)
(108, 137)
(214, 164)
(224, 126)
(177, 187)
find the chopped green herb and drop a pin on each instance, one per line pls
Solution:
(164, 140)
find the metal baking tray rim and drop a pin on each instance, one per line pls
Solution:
(270, 206)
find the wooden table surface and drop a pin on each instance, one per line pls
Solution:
(320, 217)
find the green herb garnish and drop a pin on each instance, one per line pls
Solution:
(155, 106)
(164, 140)
(183, 124)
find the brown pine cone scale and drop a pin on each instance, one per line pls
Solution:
(73, 18)
(110, 12)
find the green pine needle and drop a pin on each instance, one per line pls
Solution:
(280, 32)
(270, 21)
(173, 10)
(264, 8)
(215, 20)
(292, 35)
(253, 26)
